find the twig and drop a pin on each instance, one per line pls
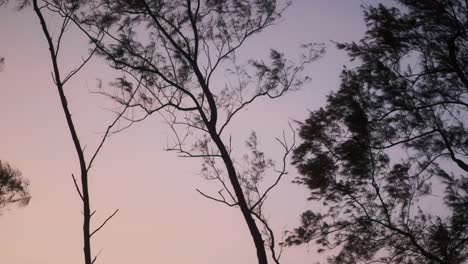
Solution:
(216, 199)
(105, 221)
(76, 186)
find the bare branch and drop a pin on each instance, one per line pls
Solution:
(77, 188)
(216, 199)
(105, 221)
(281, 172)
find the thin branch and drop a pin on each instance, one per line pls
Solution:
(95, 257)
(85, 61)
(98, 149)
(105, 221)
(392, 144)
(282, 172)
(216, 199)
(76, 186)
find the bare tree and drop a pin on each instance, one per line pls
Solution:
(174, 50)
(60, 80)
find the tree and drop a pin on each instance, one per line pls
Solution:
(174, 48)
(2, 63)
(387, 157)
(60, 80)
(13, 188)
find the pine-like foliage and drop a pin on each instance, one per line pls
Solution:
(387, 156)
(13, 188)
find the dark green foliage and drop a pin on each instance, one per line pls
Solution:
(392, 142)
(13, 188)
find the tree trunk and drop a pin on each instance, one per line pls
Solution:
(253, 228)
(76, 142)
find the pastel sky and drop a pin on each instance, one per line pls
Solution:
(162, 219)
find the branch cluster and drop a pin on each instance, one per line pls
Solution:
(387, 141)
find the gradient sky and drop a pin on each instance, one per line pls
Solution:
(162, 219)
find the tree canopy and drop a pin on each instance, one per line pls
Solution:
(387, 156)
(169, 53)
(13, 188)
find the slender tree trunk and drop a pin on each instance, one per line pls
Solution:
(86, 219)
(253, 228)
(232, 174)
(84, 194)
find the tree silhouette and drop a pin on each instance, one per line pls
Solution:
(2, 63)
(387, 156)
(54, 43)
(173, 49)
(13, 188)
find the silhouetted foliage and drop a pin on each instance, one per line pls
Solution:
(13, 187)
(173, 50)
(2, 63)
(387, 156)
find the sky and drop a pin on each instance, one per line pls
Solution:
(161, 219)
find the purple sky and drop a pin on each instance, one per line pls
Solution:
(162, 219)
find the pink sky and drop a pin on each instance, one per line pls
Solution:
(162, 219)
